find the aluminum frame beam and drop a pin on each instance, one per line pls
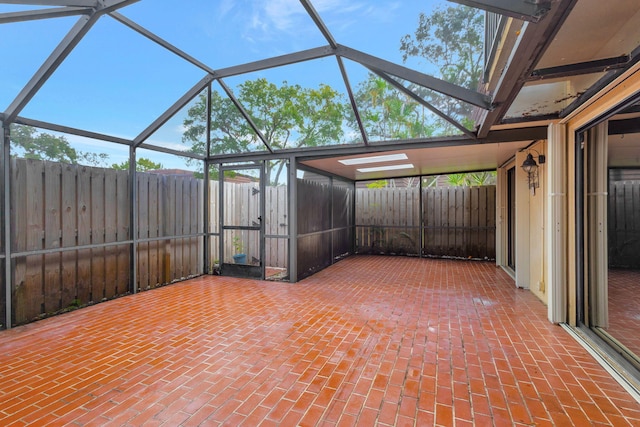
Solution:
(188, 96)
(307, 153)
(6, 218)
(245, 114)
(156, 39)
(352, 100)
(433, 83)
(133, 221)
(179, 153)
(32, 15)
(588, 67)
(101, 137)
(60, 53)
(529, 48)
(79, 3)
(72, 131)
(526, 10)
(108, 6)
(46, 70)
(424, 103)
(319, 23)
(276, 61)
(292, 210)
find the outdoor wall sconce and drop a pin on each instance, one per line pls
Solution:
(531, 168)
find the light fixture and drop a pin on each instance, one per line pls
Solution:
(374, 159)
(531, 168)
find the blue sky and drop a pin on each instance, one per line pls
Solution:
(117, 82)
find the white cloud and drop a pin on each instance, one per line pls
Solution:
(224, 7)
(260, 19)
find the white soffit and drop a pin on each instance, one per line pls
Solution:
(427, 161)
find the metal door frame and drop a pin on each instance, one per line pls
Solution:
(241, 270)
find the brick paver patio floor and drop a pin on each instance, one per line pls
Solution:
(368, 341)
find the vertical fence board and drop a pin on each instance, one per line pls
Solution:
(475, 222)
(464, 229)
(453, 214)
(176, 200)
(191, 214)
(52, 235)
(19, 205)
(84, 234)
(97, 233)
(483, 212)
(490, 223)
(34, 280)
(143, 230)
(439, 221)
(69, 234)
(214, 203)
(122, 232)
(168, 228)
(199, 227)
(153, 225)
(194, 202)
(110, 233)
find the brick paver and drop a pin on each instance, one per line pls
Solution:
(624, 300)
(369, 341)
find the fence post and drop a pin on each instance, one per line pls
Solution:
(420, 216)
(206, 241)
(133, 220)
(6, 194)
(293, 220)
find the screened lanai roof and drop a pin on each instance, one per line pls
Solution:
(141, 73)
(130, 71)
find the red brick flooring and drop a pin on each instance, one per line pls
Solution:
(369, 341)
(624, 308)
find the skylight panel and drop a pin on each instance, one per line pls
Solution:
(374, 159)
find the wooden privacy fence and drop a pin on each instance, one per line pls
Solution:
(624, 224)
(58, 205)
(456, 221)
(87, 211)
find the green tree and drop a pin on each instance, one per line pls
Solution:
(288, 116)
(41, 146)
(481, 178)
(457, 179)
(26, 141)
(142, 165)
(381, 183)
(452, 40)
(471, 179)
(387, 113)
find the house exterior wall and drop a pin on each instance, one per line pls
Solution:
(537, 205)
(530, 249)
(546, 238)
(556, 251)
(626, 86)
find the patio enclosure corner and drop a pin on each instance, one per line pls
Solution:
(73, 243)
